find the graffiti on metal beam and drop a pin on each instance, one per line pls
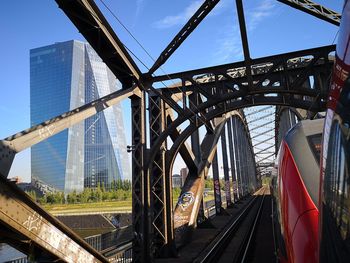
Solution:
(185, 200)
(33, 222)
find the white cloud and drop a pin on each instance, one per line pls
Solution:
(262, 11)
(229, 44)
(180, 18)
(220, 7)
(139, 6)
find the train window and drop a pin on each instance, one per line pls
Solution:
(337, 179)
(315, 145)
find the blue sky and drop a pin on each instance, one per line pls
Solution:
(273, 28)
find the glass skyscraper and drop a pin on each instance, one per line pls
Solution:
(64, 76)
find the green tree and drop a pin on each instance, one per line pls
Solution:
(32, 194)
(42, 200)
(209, 184)
(85, 195)
(119, 184)
(176, 192)
(72, 198)
(50, 198)
(98, 193)
(106, 196)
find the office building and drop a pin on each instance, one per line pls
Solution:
(177, 180)
(64, 76)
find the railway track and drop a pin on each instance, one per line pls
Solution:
(237, 242)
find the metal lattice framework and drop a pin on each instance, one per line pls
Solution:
(286, 118)
(211, 97)
(261, 123)
(315, 9)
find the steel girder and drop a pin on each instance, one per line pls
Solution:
(244, 38)
(187, 29)
(232, 159)
(226, 168)
(236, 136)
(194, 100)
(161, 237)
(286, 117)
(315, 9)
(185, 150)
(238, 188)
(34, 230)
(231, 102)
(140, 182)
(282, 70)
(272, 69)
(87, 17)
(187, 208)
(185, 213)
(217, 186)
(91, 23)
(11, 145)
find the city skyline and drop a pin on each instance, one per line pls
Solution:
(64, 76)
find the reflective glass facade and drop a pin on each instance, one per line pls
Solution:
(64, 76)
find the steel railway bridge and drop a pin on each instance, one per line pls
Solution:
(287, 87)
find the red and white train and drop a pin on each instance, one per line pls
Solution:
(296, 192)
(312, 189)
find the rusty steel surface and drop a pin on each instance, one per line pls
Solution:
(86, 16)
(27, 138)
(140, 183)
(160, 187)
(18, 212)
(187, 207)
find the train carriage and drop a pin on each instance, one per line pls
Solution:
(296, 192)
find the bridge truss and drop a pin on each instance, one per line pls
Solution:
(213, 98)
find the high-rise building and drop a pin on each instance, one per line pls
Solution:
(64, 76)
(177, 180)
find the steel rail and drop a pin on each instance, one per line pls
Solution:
(222, 240)
(252, 231)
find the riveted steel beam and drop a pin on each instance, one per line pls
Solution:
(91, 23)
(226, 168)
(187, 29)
(182, 220)
(231, 103)
(260, 66)
(315, 9)
(187, 207)
(239, 170)
(160, 186)
(140, 182)
(244, 38)
(21, 214)
(232, 159)
(285, 119)
(185, 151)
(217, 187)
(27, 138)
